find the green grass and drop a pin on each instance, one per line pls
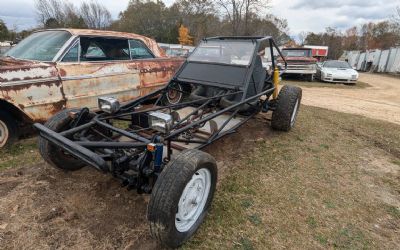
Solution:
(393, 211)
(305, 189)
(22, 153)
(310, 191)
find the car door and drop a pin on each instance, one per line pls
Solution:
(94, 67)
(153, 72)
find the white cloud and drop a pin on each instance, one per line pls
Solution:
(332, 4)
(316, 15)
(302, 15)
(20, 14)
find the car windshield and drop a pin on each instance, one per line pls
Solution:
(337, 64)
(224, 51)
(296, 53)
(40, 46)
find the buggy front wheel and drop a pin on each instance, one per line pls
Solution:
(181, 197)
(54, 155)
(287, 108)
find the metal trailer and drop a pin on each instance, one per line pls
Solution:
(374, 58)
(361, 61)
(352, 57)
(383, 61)
(394, 61)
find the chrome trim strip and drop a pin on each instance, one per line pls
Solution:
(84, 77)
(26, 82)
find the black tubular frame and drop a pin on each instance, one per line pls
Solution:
(75, 142)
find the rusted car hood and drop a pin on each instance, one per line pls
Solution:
(9, 62)
(12, 70)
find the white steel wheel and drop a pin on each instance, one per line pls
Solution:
(181, 197)
(294, 114)
(4, 134)
(193, 200)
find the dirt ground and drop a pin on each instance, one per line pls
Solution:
(380, 101)
(44, 208)
(332, 182)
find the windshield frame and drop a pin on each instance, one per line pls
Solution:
(221, 41)
(60, 52)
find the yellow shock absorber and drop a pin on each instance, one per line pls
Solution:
(276, 82)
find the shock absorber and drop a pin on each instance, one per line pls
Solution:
(276, 80)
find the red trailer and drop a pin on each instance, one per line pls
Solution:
(318, 52)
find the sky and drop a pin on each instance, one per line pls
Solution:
(302, 15)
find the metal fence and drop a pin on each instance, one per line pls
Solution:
(377, 60)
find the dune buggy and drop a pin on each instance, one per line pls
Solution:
(152, 144)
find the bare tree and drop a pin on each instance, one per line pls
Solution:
(96, 16)
(397, 16)
(302, 37)
(59, 13)
(50, 10)
(239, 13)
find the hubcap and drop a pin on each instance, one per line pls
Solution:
(173, 95)
(294, 115)
(3, 133)
(193, 200)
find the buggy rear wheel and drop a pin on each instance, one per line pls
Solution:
(175, 94)
(287, 107)
(181, 197)
(54, 155)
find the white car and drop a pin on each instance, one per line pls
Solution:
(336, 71)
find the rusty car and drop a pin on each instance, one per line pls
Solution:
(55, 69)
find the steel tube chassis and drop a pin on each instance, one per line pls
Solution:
(107, 154)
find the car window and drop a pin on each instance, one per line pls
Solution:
(72, 55)
(224, 51)
(337, 64)
(95, 51)
(40, 46)
(139, 50)
(104, 49)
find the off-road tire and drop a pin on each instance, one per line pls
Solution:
(167, 191)
(54, 155)
(10, 127)
(285, 107)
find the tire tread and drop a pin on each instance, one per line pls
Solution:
(167, 190)
(285, 103)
